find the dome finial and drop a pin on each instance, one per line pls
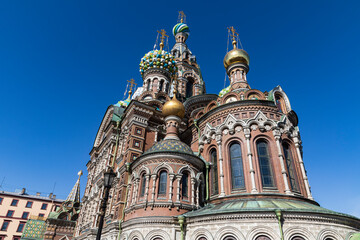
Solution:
(234, 35)
(162, 37)
(132, 83)
(182, 17)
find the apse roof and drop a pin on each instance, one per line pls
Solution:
(262, 205)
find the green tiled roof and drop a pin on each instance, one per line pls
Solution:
(170, 145)
(262, 205)
(34, 230)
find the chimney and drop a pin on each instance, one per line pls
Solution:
(50, 195)
(54, 196)
(38, 194)
(23, 191)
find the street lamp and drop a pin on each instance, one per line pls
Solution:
(109, 176)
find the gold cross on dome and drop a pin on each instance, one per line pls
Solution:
(234, 35)
(162, 37)
(182, 16)
(132, 83)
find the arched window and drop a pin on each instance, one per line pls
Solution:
(214, 173)
(291, 167)
(280, 103)
(229, 238)
(148, 85)
(162, 183)
(237, 170)
(262, 237)
(265, 164)
(143, 183)
(185, 185)
(189, 87)
(161, 84)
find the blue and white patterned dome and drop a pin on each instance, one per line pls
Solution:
(181, 27)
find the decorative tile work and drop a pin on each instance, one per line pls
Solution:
(170, 145)
(34, 229)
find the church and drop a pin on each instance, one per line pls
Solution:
(191, 165)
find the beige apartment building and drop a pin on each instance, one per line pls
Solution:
(16, 209)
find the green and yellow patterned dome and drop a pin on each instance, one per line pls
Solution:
(158, 59)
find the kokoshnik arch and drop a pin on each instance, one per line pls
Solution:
(198, 166)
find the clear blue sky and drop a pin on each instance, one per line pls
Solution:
(63, 62)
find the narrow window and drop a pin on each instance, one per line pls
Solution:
(5, 225)
(143, 183)
(148, 85)
(20, 227)
(44, 206)
(25, 215)
(291, 167)
(214, 173)
(10, 213)
(161, 85)
(1, 199)
(185, 185)
(29, 204)
(14, 202)
(189, 88)
(162, 183)
(265, 164)
(41, 215)
(237, 170)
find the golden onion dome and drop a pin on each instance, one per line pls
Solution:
(174, 107)
(236, 56)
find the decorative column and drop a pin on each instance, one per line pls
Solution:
(147, 178)
(178, 178)
(249, 156)
(134, 197)
(197, 194)
(153, 188)
(302, 167)
(129, 194)
(222, 188)
(277, 134)
(192, 191)
(171, 177)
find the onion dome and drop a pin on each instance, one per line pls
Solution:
(170, 145)
(124, 103)
(158, 59)
(174, 108)
(181, 27)
(236, 56)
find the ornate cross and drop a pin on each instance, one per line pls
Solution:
(182, 16)
(234, 35)
(162, 37)
(132, 83)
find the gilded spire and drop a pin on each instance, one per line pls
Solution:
(162, 37)
(74, 195)
(234, 35)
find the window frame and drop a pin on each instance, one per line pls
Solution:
(44, 204)
(161, 185)
(12, 213)
(142, 185)
(7, 225)
(23, 226)
(233, 188)
(27, 216)
(292, 168)
(29, 202)
(214, 174)
(14, 205)
(186, 195)
(270, 164)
